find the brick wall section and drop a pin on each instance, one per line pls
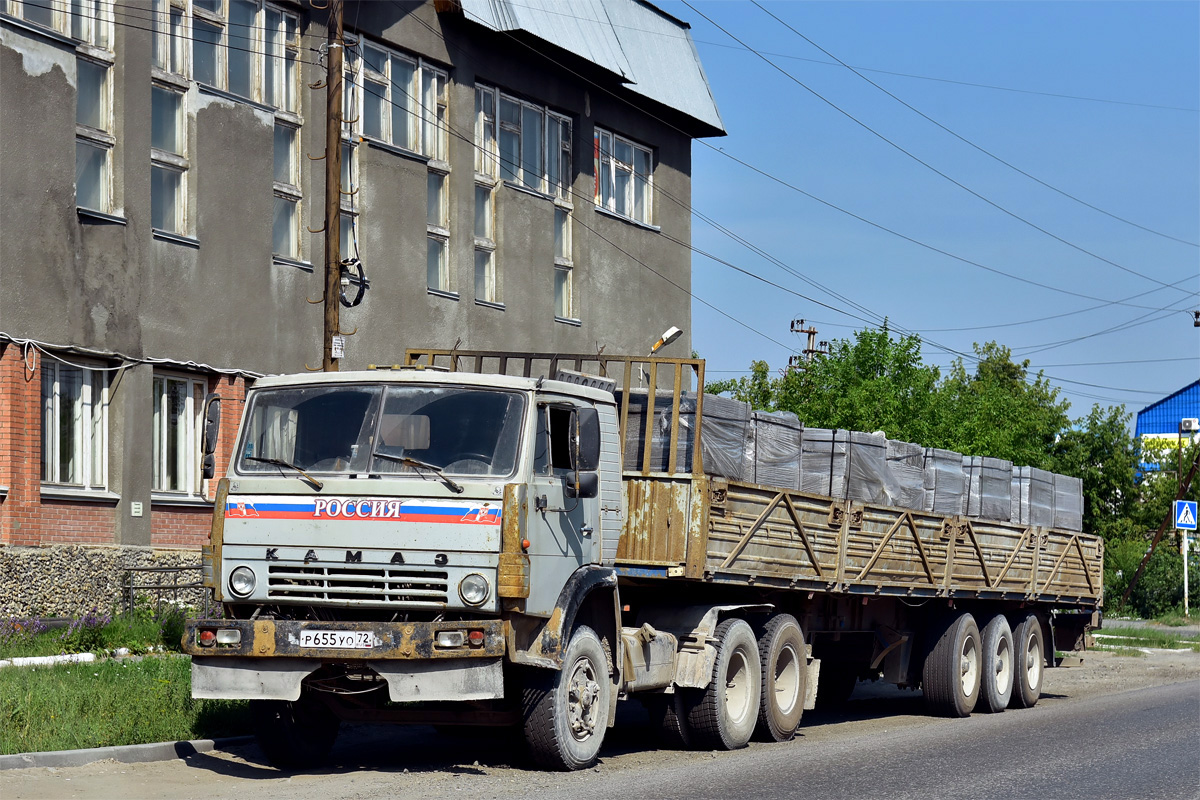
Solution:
(180, 528)
(27, 520)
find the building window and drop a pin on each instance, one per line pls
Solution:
(170, 36)
(178, 403)
(93, 138)
(403, 101)
(287, 191)
(74, 425)
(168, 160)
(487, 284)
(348, 217)
(88, 21)
(522, 142)
(564, 307)
(486, 160)
(281, 71)
(438, 231)
(624, 175)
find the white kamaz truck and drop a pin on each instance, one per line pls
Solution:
(486, 539)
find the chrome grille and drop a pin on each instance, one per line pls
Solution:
(358, 586)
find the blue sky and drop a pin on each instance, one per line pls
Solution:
(1127, 149)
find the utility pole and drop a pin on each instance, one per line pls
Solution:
(812, 349)
(333, 189)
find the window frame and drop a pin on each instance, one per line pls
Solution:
(51, 438)
(191, 478)
(426, 130)
(175, 162)
(485, 246)
(553, 146)
(287, 191)
(606, 164)
(98, 139)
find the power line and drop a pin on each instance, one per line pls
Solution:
(923, 163)
(968, 142)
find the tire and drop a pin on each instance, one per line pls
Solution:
(996, 686)
(723, 715)
(835, 685)
(294, 735)
(1029, 662)
(565, 712)
(668, 717)
(784, 679)
(952, 673)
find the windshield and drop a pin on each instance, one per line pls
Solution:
(379, 430)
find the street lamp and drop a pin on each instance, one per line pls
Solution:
(669, 335)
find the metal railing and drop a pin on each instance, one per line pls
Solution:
(156, 583)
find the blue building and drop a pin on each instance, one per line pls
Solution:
(1160, 419)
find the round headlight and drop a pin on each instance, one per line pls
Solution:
(242, 581)
(473, 589)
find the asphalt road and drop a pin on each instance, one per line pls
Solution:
(1142, 743)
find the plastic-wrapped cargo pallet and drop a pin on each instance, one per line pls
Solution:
(944, 481)
(847, 465)
(772, 448)
(1032, 496)
(906, 467)
(1068, 503)
(988, 488)
(726, 425)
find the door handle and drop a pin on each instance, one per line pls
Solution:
(586, 530)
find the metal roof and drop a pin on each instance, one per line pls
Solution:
(643, 46)
(1162, 416)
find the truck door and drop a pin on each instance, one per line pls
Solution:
(564, 531)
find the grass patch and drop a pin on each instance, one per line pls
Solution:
(1144, 637)
(1174, 619)
(111, 702)
(143, 631)
(1131, 652)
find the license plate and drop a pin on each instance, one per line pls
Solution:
(338, 640)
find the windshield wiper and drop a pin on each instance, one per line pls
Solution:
(412, 462)
(279, 462)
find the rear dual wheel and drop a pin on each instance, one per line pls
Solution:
(783, 658)
(723, 715)
(996, 686)
(1029, 662)
(953, 669)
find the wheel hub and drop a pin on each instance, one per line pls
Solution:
(583, 694)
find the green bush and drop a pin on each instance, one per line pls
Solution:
(1159, 590)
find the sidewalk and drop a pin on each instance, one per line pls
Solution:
(128, 754)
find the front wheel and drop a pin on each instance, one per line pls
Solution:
(722, 716)
(566, 712)
(1030, 661)
(293, 735)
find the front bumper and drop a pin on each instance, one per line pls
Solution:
(265, 638)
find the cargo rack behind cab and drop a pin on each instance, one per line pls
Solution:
(617, 368)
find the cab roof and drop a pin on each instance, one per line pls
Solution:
(434, 377)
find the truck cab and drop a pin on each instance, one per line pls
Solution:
(405, 536)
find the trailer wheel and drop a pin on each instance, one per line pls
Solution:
(996, 686)
(784, 679)
(566, 711)
(722, 716)
(293, 735)
(951, 676)
(1029, 663)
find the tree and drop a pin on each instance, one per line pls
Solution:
(1100, 450)
(997, 411)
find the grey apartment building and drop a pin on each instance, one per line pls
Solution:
(516, 175)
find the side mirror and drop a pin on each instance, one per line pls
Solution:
(589, 486)
(212, 428)
(585, 444)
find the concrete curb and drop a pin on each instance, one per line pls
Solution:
(127, 754)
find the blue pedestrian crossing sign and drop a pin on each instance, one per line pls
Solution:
(1185, 515)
